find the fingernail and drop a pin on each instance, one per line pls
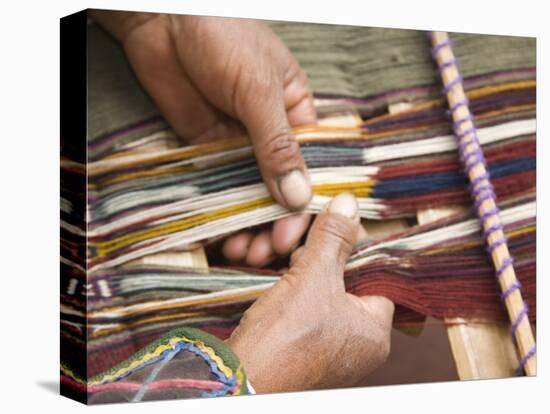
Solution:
(295, 189)
(344, 204)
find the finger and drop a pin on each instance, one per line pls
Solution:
(288, 231)
(227, 128)
(155, 61)
(260, 252)
(330, 239)
(235, 248)
(302, 114)
(262, 110)
(299, 99)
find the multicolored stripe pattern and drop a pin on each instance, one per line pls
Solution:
(184, 362)
(144, 202)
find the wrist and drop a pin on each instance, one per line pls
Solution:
(239, 349)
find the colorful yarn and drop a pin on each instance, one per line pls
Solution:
(134, 215)
(405, 268)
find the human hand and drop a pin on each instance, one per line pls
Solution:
(306, 332)
(215, 78)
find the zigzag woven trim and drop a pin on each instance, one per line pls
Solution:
(223, 363)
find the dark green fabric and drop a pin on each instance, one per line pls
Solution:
(363, 61)
(115, 97)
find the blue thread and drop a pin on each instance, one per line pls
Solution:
(432, 182)
(447, 64)
(229, 383)
(491, 248)
(509, 261)
(438, 47)
(460, 135)
(456, 81)
(169, 354)
(513, 287)
(530, 354)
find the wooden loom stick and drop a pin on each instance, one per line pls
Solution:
(195, 258)
(485, 201)
(480, 350)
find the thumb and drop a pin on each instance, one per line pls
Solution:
(279, 158)
(330, 240)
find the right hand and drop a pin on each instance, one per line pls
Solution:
(306, 332)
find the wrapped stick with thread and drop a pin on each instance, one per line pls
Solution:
(484, 198)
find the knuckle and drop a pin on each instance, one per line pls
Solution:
(303, 80)
(292, 279)
(301, 282)
(252, 84)
(339, 229)
(280, 153)
(261, 82)
(280, 145)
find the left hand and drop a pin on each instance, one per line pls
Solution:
(215, 78)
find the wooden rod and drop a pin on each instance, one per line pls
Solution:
(485, 200)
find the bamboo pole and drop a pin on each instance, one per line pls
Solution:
(485, 201)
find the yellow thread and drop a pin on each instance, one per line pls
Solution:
(474, 93)
(106, 247)
(359, 189)
(159, 350)
(215, 357)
